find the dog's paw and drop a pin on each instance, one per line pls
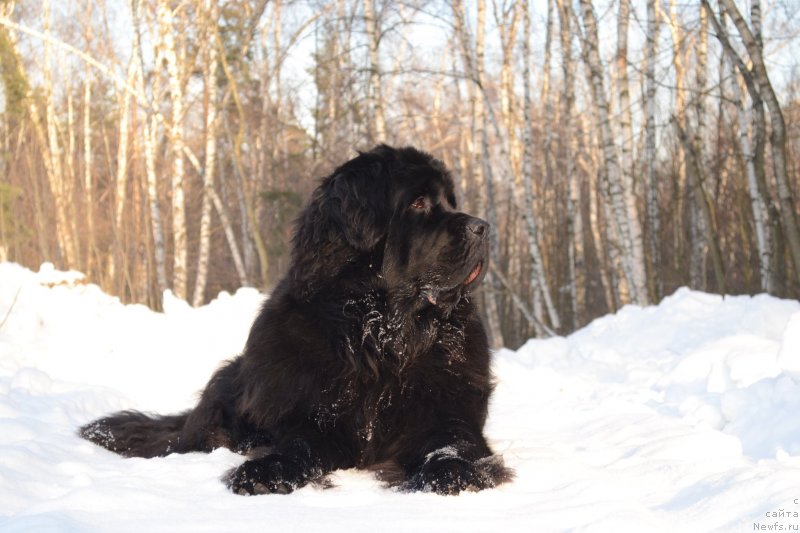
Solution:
(449, 474)
(271, 474)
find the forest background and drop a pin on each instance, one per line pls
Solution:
(620, 149)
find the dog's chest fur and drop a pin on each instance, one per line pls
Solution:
(391, 360)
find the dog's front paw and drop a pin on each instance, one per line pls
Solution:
(271, 474)
(445, 472)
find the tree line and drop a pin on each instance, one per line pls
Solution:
(620, 149)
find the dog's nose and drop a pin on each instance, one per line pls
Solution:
(477, 227)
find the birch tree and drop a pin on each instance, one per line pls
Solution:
(577, 276)
(653, 218)
(166, 26)
(753, 151)
(703, 204)
(546, 164)
(624, 102)
(473, 61)
(538, 278)
(149, 134)
(88, 184)
(378, 134)
(507, 18)
(755, 187)
(676, 34)
(778, 132)
(210, 14)
(701, 215)
(625, 213)
(117, 260)
(60, 187)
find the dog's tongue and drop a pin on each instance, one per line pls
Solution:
(474, 274)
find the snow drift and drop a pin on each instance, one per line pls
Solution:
(685, 416)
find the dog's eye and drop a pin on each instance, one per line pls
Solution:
(419, 203)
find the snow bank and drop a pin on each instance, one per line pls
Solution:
(681, 416)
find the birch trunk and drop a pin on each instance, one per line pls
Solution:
(508, 26)
(771, 260)
(547, 98)
(467, 155)
(88, 186)
(249, 196)
(653, 218)
(473, 62)
(88, 189)
(704, 205)
(625, 213)
(755, 20)
(180, 253)
(121, 180)
(577, 276)
(230, 236)
(680, 113)
(59, 186)
(117, 264)
(777, 136)
(700, 219)
(71, 177)
(210, 75)
(149, 134)
(626, 144)
(757, 201)
(331, 107)
(587, 160)
(482, 139)
(378, 128)
(223, 215)
(774, 233)
(538, 278)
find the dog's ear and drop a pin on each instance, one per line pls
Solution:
(347, 216)
(357, 204)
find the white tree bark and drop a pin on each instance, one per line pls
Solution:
(699, 231)
(507, 21)
(538, 277)
(59, 185)
(473, 62)
(577, 276)
(230, 236)
(778, 134)
(703, 203)
(210, 76)
(117, 259)
(219, 207)
(122, 146)
(467, 158)
(149, 134)
(757, 203)
(88, 188)
(546, 98)
(624, 102)
(680, 112)
(481, 139)
(625, 212)
(653, 218)
(752, 149)
(180, 253)
(375, 92)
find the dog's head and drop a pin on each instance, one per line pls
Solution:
(393, 211)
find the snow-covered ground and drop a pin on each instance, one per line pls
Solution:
(684, 416)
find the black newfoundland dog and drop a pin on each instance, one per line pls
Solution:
(369, 353)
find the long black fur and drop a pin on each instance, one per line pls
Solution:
(368, 354)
